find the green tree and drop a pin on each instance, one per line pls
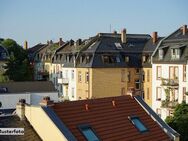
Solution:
(179, 120)
(17, 67)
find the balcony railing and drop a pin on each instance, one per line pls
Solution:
(170, 82)
(64, 81)
(169, 104)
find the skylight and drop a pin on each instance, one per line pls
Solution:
(118, 45)
(138, 124)
(88, 133)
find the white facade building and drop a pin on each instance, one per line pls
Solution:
(170, 73)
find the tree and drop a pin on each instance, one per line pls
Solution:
(17, 67)
(179, 120)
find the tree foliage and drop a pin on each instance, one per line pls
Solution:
(17, 67)
(179, 120)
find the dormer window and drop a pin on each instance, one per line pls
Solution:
(87, 59)
(175, 53)
(161, 54)
(126, 59)
(144, 59)
(107, 59)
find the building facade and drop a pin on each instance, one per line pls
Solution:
(104, 65)
(170, 64)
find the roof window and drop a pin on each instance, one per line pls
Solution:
(118, 45)
(88, 133)
(138, 124)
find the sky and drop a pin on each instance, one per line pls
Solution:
(40, 20)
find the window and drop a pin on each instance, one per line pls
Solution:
(148, 76)
(137, 84)
(87, 59)
(123, 75)
(118, 45)
(184, 73)
(159, 72)
(129, 76)
(144, 59)
(184, 95)
(158, 111)
(122, 91)
(143, 77)
(72, 74)
(79, 76)
(173, 72)
(72, 93)
(147, 93)
(158, 92)
(61, 74)
(161, 53)
(88, 133)
(137, 71)
(175, 53)
(138, 124)
(118, 59)
(126, 59)
(87, 77)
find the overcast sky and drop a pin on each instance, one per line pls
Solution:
(41, 20)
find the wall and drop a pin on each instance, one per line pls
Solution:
(106, 82)
(147, 85)
(9, 101)
(42, 124)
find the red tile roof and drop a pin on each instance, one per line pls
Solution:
(109, 119)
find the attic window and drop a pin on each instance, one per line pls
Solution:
(138, 124)
(108, 59)
(88, 133)
(118, 45)
(126, 59)
(175, 53)
(87, 59)
(161, 53)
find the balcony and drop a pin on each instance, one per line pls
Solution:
(169, 104)
(174, 83)
(64, 81)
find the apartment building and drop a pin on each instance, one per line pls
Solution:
(104, 65)
(170, 75)
(43, 57)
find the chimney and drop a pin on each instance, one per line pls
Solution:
(46, 101)
(86, 107)
(51, 42)
(154, 37)
(115, 32)
(78, 42)
(25, 45)
(113, 103)
(60, 42)
(123, 36)
(71, 42)
(20, 109)
(184, 29)
(48, 42)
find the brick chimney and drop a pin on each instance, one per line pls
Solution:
(154, 37)
(20, 109)
(123, 36)
(46, 101)
(79, 42)
(60, 42)
(184, 29)
(25, 45)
